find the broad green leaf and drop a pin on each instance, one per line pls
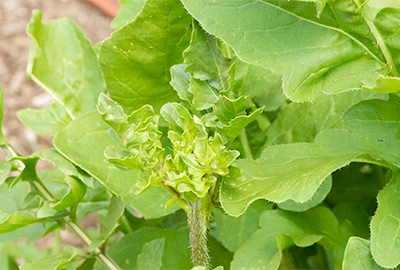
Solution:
(204, 59)
(250, 80)
(302, 122)
(356, 215)
(2, 138)
(180, 81)
(109, 223)
(233, 232)
(63, 62)
(137, 58)
(54, 262)
(176, 252)
(385, 225)
(151, 255)
(316, 199)
(357, 184)
(83, 142)
(281, 229)
(5, 168)
(384, 3)
(295, 171)
(47, 121)
(358, 255)
(311, 54)
(128, 11)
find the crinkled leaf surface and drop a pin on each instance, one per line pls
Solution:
(136, 59)
(294, 171)
(63, 62)
(385, 225)
(281, 229)
(358, 255)
(311, 54)
(47, 121)
(84, 141)
(128, 11)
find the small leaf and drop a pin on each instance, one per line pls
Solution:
(226, 109)
(13, 221)
(5, 168)
(203, 94)
(63, 62)
(180, 81)
(47, 121)
(204, 59)
(76, 192)
(151, 255)
(109, 223)
(358, 255)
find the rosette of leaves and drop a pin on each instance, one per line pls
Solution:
(190, 173)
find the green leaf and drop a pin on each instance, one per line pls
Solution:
(233, 232)
(109, 223)
(302, 122)
(312, 55)
(316, 199)
(358, 255)
(76, 192)
(180, 81)
(176, 252)
(237, 124)
(204, 59)
(226, 109)
(47, 121)
(83, 142)
(203, 94)
(128, 11)
(250, 80)
(151, 255)
(385, 233)
(13, 221)
(63, 62)
(137, 58)
(281, 229)
(53, 262)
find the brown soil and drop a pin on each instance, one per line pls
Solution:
(19, 91)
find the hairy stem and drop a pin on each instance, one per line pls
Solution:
(73, 225)
(198, 236)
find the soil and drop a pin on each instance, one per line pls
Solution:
(19, 92)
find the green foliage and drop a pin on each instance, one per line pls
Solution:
(274, 125)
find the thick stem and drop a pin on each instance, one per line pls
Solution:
(198, 236)
(78, 230)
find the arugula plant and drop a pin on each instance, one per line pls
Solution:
(259, 133)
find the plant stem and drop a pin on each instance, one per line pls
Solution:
(245, 144)
(198, 236)
(75, 227)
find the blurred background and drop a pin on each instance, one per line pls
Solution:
(19, 91)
